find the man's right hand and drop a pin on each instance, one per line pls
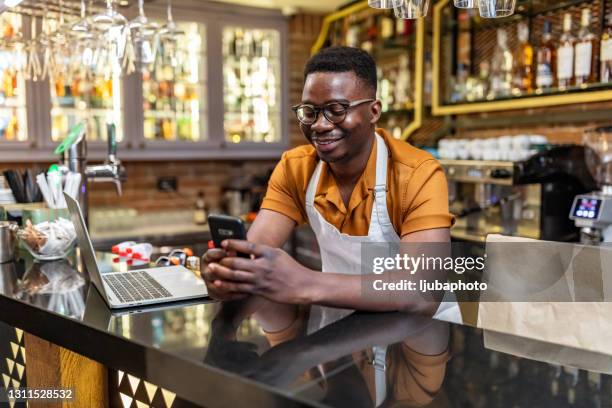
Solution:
(214, 256)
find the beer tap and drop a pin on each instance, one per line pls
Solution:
(74, 159)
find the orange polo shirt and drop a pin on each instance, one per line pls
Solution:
(417, 196)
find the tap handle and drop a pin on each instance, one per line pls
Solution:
(112, 141)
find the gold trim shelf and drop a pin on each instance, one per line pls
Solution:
(597, 92)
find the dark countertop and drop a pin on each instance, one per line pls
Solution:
(215, 357)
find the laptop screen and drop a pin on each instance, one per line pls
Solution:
(87, 250)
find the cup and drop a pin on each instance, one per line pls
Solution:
(465, 4)
(496, 8)
(8, 237)
(381, 4)
(410, 9)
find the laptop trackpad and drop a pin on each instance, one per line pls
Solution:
(178, 280)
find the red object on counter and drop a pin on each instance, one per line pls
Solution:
(211, 244)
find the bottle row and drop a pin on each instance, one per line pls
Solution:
(368, 33)
(571, 60)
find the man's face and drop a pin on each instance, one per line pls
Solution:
(339, 142)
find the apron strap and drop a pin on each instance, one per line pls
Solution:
(380, 376)
(311, 190)
(380, 189)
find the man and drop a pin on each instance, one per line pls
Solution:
(353, 184)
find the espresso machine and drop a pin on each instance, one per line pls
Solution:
(592, 212)
(528, 198)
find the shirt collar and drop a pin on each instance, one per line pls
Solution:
(328, 187)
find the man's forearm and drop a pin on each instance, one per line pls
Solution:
(347, 291)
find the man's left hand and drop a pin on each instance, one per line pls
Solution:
(270, 273)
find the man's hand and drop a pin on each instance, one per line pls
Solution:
(216, 291)
(272, 274)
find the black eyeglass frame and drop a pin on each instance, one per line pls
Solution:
(322, 108)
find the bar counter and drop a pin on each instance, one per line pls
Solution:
(57, 327)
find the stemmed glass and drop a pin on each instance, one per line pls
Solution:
(14, 41)
(112, 41)
(82, 28)
(49, 65)
(467, 4)
(410, 9)
(108, 19)
(33, 69)
(496, 8)
(169, 35)
(84, 36)
(144, 36)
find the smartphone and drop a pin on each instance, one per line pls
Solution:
(224, 227)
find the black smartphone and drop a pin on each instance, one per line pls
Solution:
(224, 227)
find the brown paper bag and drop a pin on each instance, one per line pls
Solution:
(548, 291)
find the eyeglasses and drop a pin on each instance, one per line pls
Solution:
(334, 112)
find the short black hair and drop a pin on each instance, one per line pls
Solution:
(344, 59)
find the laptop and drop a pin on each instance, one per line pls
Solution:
(135, 287)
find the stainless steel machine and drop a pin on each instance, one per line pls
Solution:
(529, 198)
(592, 212)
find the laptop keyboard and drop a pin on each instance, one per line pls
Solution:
(135, 286)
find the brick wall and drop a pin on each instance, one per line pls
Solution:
(303, 31)
(140, 192)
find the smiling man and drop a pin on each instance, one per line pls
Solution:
(352, 184)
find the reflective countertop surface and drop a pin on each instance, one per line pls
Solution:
(217, 355)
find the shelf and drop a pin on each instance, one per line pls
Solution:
(237, 57)
(151, 114)
(58, 110)
(540, 94)
(8, 103)
(574, 95)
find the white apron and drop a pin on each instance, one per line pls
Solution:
(341, 253)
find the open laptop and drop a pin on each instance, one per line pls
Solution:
(136, 287)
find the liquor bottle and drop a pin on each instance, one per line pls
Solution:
(546, 60)
(402, 86)
(384, 87)
(352, 36)
(387, 27)
(199, 215)
(523, 62)
(371, 35)
(12, 129)
(584, 67)
(565, 54)
(501, 67)
(606, 51)
(9, 83)
(464, 40)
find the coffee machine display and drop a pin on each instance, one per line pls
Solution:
(592, 212)
(529, 198)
